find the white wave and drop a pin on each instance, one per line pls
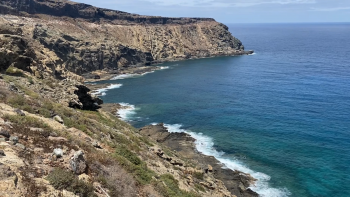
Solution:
(205, 145)
(252, 54)
(102, 91)
(125, 76)
(164, 67)
(126, 111)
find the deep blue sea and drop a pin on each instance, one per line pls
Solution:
(282, 114)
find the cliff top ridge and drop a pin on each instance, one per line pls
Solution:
(66, 8)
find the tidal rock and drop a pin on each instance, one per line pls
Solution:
(58, 119)
(78, 163)
(19, 112)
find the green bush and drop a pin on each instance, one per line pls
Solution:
(133, 165)
(14, 71)
(198, 175)
(172, 187)
(62, 179)
(27, 121)
(132, 157)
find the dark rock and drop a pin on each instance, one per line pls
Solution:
(2, 153)
(78, 163)
(89, 102)
(19, 112)
(97, 77)
(4, 133)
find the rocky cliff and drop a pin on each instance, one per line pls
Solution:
(63, 38)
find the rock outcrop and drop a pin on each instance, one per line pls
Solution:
(236, 182)
(62, 38)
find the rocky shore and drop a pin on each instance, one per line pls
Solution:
(236, 182)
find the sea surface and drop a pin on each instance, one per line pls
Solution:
(282, 114)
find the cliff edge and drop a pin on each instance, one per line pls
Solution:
(63, 38)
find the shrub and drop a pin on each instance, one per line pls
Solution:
(134, 165)
(132, 157)
(27, 121)
(62, 179)
(14, 71)
(172, 187)
(198, 175)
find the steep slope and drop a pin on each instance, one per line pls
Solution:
(65, 37)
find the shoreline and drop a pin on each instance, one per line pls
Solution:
(237, 182)
(234, 180)
(104, 75)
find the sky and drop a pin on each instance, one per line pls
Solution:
(237, 11)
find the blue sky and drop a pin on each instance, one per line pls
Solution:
(237, 11)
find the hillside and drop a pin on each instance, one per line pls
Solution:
(62, 38)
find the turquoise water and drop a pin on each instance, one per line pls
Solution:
(282, 115)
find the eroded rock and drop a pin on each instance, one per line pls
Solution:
(78, 163)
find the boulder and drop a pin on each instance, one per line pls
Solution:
(5, 133)
(58, 119)
(14, 139)
(78, 163)
(58, 152)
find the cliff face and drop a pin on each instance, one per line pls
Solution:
(65, 38)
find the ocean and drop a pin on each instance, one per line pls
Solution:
(282, 114)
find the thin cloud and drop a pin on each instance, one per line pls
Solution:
(330, 9)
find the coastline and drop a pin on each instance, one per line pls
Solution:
(236, 182)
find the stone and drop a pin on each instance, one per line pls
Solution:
(2, 153)
(78, 163)
(5, 133)
(19, 112)
(3, 140)
(21, 146)
(84, 177)
(54, 134)
(36, 129)
(58, 139)
(58, 152)
(58, 119)
(14, 139)
(96, 145)
(210, 168)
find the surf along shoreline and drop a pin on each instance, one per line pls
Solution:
(238, 180)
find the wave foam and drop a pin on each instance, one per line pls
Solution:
(126, 111)
(252, 54)
(102, 91)
(205, 145)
